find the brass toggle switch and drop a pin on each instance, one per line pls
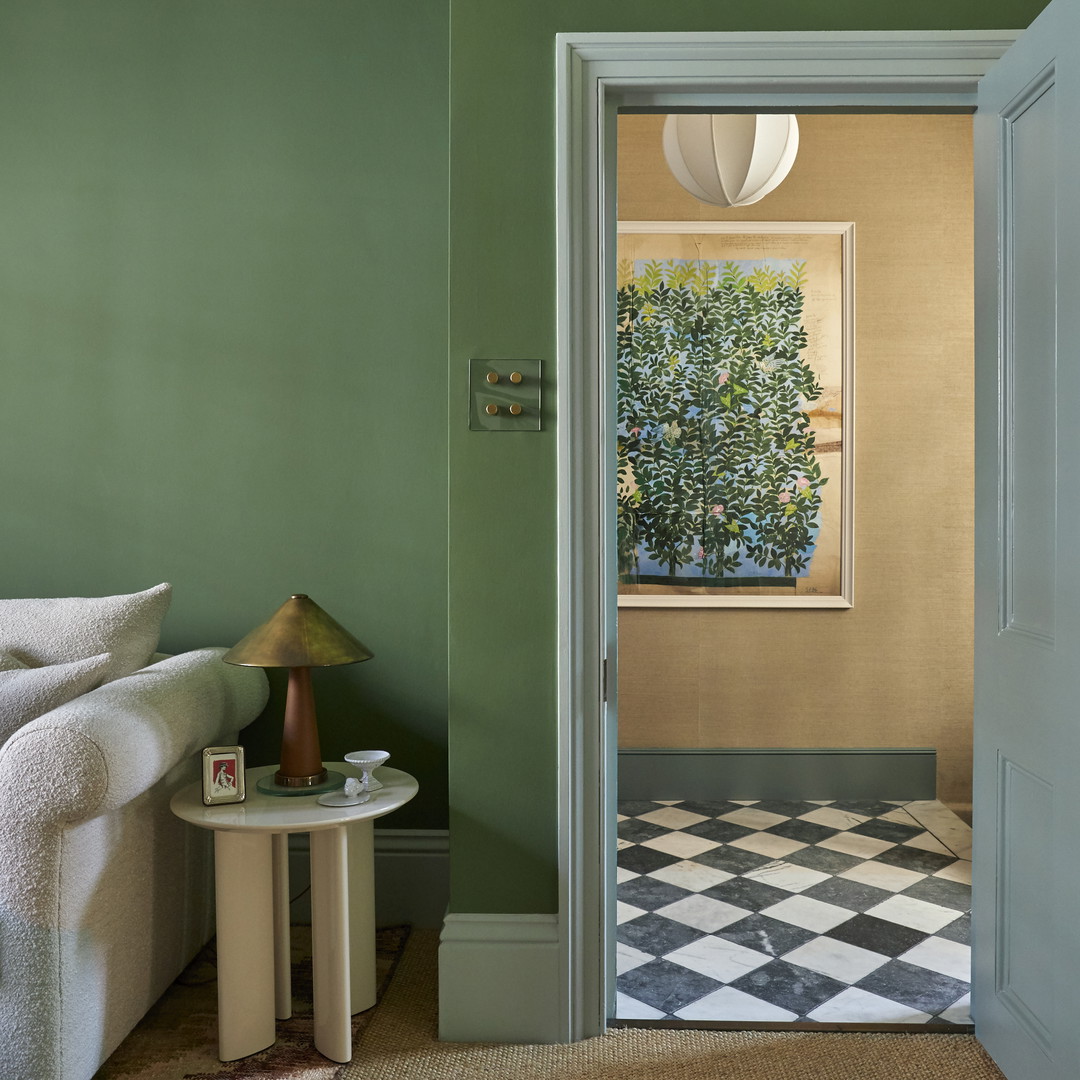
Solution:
(492, 377)
(515, 377)
(493, 409)
(515, 409)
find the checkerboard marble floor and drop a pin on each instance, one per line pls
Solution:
(812, 912)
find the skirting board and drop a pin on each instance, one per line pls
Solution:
(412, 877)
(499, 979)
(901, 773)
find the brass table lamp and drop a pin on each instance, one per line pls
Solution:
(299, 636)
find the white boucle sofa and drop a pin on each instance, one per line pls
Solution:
(104, 895)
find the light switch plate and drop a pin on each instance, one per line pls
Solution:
(503, 394)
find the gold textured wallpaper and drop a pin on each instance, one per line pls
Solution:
(896, 669)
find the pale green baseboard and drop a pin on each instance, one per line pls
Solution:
(897, 773)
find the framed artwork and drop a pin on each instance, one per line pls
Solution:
(223, 775)
(736, 376)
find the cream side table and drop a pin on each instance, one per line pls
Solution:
(251, 867)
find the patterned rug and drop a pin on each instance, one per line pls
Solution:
(177, 1039)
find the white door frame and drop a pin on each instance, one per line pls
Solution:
(598, 73)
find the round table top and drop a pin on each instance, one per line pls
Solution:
(293, 813)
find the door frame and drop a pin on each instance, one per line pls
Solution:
(597, 74)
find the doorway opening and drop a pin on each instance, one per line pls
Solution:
(745, 897)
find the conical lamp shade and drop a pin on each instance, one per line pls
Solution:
(298, 634)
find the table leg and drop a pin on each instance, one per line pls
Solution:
(282, 941)
(245, 943)
(330, 942)
(362, 914)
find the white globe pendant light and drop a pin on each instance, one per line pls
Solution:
(733, 159)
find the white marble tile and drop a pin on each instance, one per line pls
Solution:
(691, 875)
(667, 802)
(865, 847)
(854, 1006)
(743, 802)
(900, 817)
(947, 957)
(718, 958)
(957, 871)
(625, 912)
(620, 844)
(944, 824)
(786, 876)
(628, 1008)
(882, 876)
(959, 1012)
(834, 819)
(768, 844)
(837, 959)
(927, 841)
(680, 844)
(622, 874)
(627, 958)
(727, 1003)
(808, 913)
(703, 913)
(621, 817)
(671, 817)
(753, 819)
(820, 802)
(918, 914)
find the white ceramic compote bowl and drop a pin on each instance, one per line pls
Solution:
(368, 761)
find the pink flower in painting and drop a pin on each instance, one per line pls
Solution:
(701, 553)
(635, 431)
(784, 496)
(802, 482)
(717, 510)
(723, 377)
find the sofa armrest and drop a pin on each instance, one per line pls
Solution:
(105, 748)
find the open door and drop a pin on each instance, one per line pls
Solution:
(1027, 634)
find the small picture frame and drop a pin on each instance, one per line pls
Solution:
(223, 775)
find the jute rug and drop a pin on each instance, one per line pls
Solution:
(400, 1044)
(177, 1039)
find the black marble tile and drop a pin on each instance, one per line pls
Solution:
(887, 830)
(806, 831)
(789, 986)
(655, 935)
(643, 860)
(709, 808)
(958, 931)
(765, 935)
(635, 808)
(824, 859)
(877, 935)
(950, 894)
(918, 987)
(853, 895)
(925, 862)
(733, 860)
(867, 807)
(649, 894)
(666, 986)
(787, 807)
(744, 893)
(636, 831)
(723, 832)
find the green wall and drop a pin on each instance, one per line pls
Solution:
(502, 489)
(223, 292)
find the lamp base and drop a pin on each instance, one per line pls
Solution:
(269, 786)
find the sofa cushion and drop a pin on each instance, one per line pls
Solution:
(57, 631)
(28, 692)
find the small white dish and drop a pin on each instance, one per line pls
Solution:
(367, 761)
(339, 798)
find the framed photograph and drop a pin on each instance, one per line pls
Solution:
(736, 378)
(223, 775)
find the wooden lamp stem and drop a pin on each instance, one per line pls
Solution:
(301, 757)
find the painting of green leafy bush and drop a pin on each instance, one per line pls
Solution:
(718, 482)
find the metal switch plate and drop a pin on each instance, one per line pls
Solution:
(493, 392)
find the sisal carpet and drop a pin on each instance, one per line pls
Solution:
(400, 1044)
(177, 1039)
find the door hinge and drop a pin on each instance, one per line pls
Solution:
(603, 680)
